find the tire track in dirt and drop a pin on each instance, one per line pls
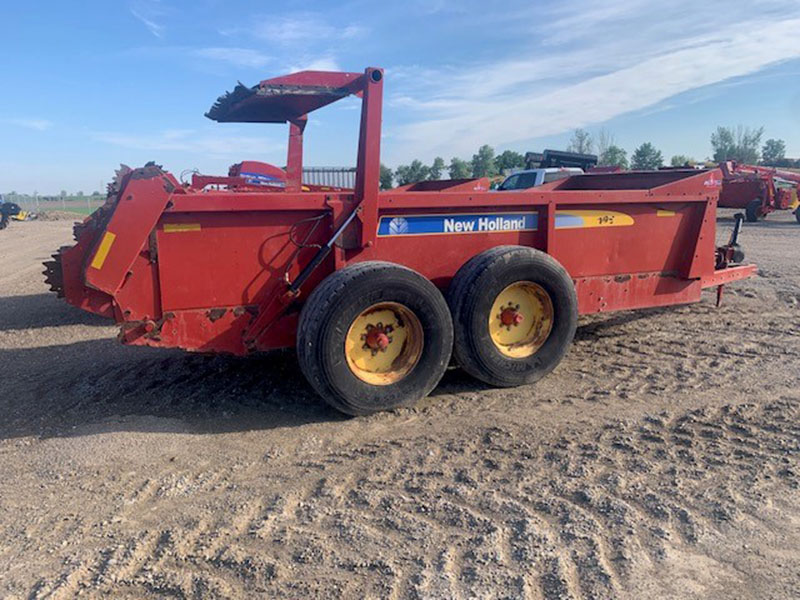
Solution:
(552, 521)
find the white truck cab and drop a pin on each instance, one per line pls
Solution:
(522, 180)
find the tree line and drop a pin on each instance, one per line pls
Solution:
(742, 144)
(484, 163)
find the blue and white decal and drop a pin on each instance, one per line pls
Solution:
(444, 224)
(261, 179)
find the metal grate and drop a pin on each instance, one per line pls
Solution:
(333, 176)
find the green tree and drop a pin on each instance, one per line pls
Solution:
(483, 163)
(437, 168)
(581, 142)
(773, 151)
(646, 157)
(741, 144)
(508, 160)
(412, 173)
(613, 156)
(723, 142)
(681, 160)
(459, 169)
(386, 177)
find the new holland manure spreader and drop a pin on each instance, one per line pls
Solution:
(377, 289)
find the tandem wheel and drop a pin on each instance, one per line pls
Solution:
(374, 336)
(515, 312)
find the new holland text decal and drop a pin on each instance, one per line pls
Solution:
(494, 223)
(438, 224)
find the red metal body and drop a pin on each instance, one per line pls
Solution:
(213, 269)
(742, 184)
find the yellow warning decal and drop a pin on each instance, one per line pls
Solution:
(181, 227)
(578, 219)
(102, 250)
(665, 213)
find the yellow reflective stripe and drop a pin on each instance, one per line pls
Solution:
(102, 250)
(179, 227)
(665, 213)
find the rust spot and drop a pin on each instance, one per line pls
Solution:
(643, 276)
(216, 313)
(622, 278)
(238, 311)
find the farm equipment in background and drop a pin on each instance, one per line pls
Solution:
(8, 211)
(759, 190)
(376, 289)
(25, 215)
(254, 175)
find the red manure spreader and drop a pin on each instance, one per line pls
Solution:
(759, 190)
(376, 290)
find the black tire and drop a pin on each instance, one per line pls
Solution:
(328, 315)
(797, 214)
(753, 211)
(472, 294)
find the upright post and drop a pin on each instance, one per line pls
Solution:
(294, 157)
(369, 154)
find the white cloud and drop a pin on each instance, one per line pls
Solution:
(148, 12)
(27, 123)
(297, 29)
(325, 63)
(239, 57)
(551, 88)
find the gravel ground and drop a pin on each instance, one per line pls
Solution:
(660, 460)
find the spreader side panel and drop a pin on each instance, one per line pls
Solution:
(616, 239)
(231, 259)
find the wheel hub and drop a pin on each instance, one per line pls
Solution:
(384, 343)
(521, 319)
(377, 337)
(511, 317)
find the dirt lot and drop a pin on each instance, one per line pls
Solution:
(660, 460)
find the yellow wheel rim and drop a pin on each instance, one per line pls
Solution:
(384, 343)
(521, 319)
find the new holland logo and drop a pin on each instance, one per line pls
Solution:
(398, 226)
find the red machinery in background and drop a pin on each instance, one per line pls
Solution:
(376, 289)
(759, 190)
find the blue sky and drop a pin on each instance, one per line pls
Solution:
(90, 84)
